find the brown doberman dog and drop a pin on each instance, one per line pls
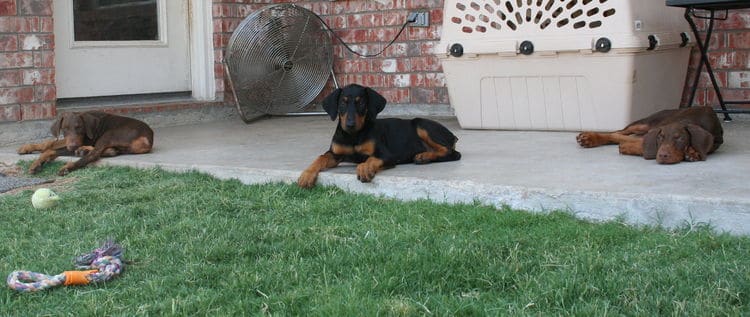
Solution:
(376, 144)
(669, 136)
(91, 135)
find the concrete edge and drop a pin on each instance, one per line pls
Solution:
(666, 211)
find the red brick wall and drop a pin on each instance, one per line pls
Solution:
(406, 73)
(730, 57)
(27, 65)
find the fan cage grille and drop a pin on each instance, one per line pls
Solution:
(279, 58)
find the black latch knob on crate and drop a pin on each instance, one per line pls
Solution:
(457, 50)
(652, 42)
(603, 45)
(685, 39)
(526, 48)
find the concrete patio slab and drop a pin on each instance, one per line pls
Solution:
(531, 170)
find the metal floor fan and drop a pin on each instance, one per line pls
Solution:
(278, 60)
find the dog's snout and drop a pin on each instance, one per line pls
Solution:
(666, 157)
(350, 122)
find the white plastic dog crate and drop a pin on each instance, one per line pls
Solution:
(562, 64)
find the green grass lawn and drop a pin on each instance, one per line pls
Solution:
(202, 246)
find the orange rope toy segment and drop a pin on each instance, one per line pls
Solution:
(77, 277)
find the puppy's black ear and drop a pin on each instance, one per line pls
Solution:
(92, 124)
(55, 128)
(331, 103)
(700, 139)
(651, 144)
(375, 102)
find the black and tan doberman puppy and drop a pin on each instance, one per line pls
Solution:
(91, 135)
(376, 144)
(669, 136)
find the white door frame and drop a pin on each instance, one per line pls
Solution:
(202, 49)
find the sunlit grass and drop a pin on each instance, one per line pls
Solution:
(202, 246)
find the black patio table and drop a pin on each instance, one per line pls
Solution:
(710, 6)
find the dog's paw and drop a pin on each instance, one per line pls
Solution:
(83, 150)
(25, 149)
(307, 179)
(588, 139)
(66, 169)
(35, 168)
(365, 172)
(691, 155)
(422, 158)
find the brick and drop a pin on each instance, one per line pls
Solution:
(16, 95)
(363, 49)
(354, 6)
(386, 35)
(428, 80)
(10, 78)
(354, 36)
(425, 64)
(44, 59)
(739, 40)
(391, 65)
(31, 42)
(395, 95)
(45, 93)
(736, 20)
(46, 25)
(35, 7)
(38, 111)
(38, 77)
(8, 7)
(423, 4)
(336, 22)
(8, 43)
(352, 65)
(8, 24)
(429, 95)
(738, 79)
(10, 113)
(395, 18)
(396, 50)
(364, 20)
(428, 33)
(397, 80)
(16, 60)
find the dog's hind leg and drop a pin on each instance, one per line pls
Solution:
(594, 139)
(440, 144)
(41, 147)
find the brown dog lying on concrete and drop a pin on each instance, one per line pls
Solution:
(91, 135)
(669, 136)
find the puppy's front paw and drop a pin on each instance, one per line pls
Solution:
(66, 169)
(35, 168)
(422, 158)
(307, 179)
(25, 149)
(691, 155)
(588, 139)
(82, 151)
(365, 172)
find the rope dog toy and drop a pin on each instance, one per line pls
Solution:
(103, 264)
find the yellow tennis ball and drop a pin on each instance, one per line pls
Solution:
(44, 198)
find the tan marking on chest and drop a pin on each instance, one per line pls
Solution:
(367, 148)
(339, 149)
